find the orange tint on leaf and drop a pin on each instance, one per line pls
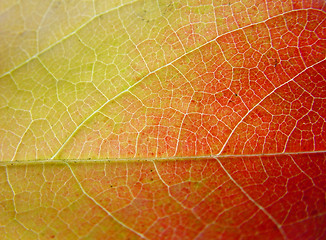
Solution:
(163, 120)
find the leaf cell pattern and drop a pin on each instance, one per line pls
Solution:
(163, 119)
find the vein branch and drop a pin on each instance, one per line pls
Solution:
(102, 207)
(279, 226)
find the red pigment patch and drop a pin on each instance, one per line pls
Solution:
(312, 41)
(279, 185)
(313, 80)
(275, 124)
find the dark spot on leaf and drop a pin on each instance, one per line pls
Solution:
(314, 212)
(306, 198)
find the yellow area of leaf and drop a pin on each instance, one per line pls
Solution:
(61, 61)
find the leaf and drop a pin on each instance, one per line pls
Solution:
(162, 119)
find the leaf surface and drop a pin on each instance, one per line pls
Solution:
(163, 120)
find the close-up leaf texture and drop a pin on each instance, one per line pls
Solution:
(159, 119)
